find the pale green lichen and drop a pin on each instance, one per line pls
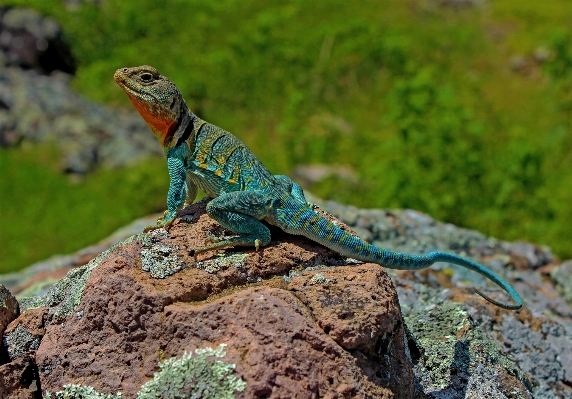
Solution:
(20, 341)
(159, 261)
(194, 378)
(64, 296)
(450, 345)
(222, 262)
(319, 279)
(157, 258)
(73, 391)
(29, 303)
(184, 378)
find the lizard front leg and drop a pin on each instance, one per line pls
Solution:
(177, 193)
(240, 212)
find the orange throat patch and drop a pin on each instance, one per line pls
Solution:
(163, 126)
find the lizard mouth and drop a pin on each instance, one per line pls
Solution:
(119, 77)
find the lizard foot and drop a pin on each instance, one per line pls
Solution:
(213, 240)
(159, 225)
(239, 241)
(152, 227)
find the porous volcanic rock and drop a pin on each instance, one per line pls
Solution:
(18, 375)
(8, 312)
(8, 308)
(19, 379)
(296, 320)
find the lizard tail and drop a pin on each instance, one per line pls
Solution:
(319, 229)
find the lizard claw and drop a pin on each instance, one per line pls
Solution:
(156, 227)
(149, 228)
(161, 219)
(161, 224)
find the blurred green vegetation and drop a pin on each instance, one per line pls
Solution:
(425, 103)
(46, 212)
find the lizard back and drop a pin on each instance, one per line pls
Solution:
(219, 162)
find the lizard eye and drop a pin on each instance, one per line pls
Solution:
(146, 77)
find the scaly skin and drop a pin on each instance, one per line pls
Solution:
(244, 192)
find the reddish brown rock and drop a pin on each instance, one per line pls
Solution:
(22, 337)
(19, 379)
(8, 308)
(332, 333)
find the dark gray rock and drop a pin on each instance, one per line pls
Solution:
(43, 109)
(31, 41)
(562, 276)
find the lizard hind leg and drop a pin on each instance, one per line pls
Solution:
(239, 212)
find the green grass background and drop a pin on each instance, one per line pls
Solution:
(440, 122)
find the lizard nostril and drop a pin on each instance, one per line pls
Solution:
(124, 69)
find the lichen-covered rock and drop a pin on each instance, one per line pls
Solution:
(198, 377)
(8, 312)
(22, 337)
(454, 358)
(538, 337)
(562, 276)
(18, 371)
(194, 377)
(472, 340)
(316, 331)
(8, 308)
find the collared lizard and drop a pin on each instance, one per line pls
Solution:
(244, 192)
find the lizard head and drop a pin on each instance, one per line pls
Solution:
(156, 98)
